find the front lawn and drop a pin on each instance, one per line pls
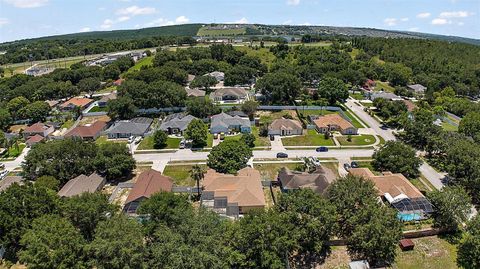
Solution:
(209, 140)
(260, 141)
(147, 143)
(233, 137)
(104, 140)
(13, 151)
(357, 96)
(354, 120)
(357, 140)
(312, 138)
(98, 109)
(181, 174)
(447, 126)
(269, 171)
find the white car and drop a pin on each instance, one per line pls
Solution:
(315, 161)
(3, 174)
(130, 139)
(138, 139)
(2, 166)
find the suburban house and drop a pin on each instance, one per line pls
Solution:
(76, 102)
(126, 128)
(52, 103)
(9, 181)
(234, 113)
(385, 95)
(418, 89)
(333, 122)
(399, 192)
(219, 76)
(38, 129)
(81, 184)
(107, 98)
(233, 195)
(194, 92)
(230, 95)
(224, 123)
(32, 140)
(88, 132)
(190, 78)
(176, 123)
(317, 181)
(285, 127)
(147, 184)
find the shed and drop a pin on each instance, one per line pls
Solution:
(406, 244)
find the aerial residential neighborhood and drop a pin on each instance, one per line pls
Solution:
(239, 145)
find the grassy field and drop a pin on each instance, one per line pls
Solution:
(13, 151)
(429, 253)
(354, 120)
(180, 174)
(103, 140)
(269, 171)
(98, 109)
(357, 96)
(204, 31)
(449, 127)
(264, 54)
(383, 86)
(147, 143)
(260, 141)
(312, 138)
(142, 62)
(357, 140)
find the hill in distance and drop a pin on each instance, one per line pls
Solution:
(238, 30)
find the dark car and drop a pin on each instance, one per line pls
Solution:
(282, 155)
(354, 164)
(272, 138)
(322, 149)
(384, 127)
(346, 166)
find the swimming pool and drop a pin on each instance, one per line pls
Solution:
(409, 216)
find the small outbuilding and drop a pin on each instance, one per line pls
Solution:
(406, 244)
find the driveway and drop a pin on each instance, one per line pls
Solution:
(277, 144)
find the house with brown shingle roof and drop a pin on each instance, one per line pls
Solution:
(233, 195)
(88, 132)
(317, 181)
(81, 184)
(195, 92)
(76, 102)
(230, 95)
(32, 140)
(285, 127)
(333, 122)
(147, 184)
(38, 129)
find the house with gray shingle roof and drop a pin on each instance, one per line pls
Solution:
(126, 128)
(230, 95)
(224, 123)
(417, 88)
(81, 184)
(176, 123)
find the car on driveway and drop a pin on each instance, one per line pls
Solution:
(2, 166)
(384, 127)
(346, 166)
(321, 149)
(315, 161)
(282, 155)
(354, 164)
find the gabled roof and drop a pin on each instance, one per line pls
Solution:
(176, 121)
(34, 139)
(285, 124)
(81, 102)
(148, 183)
(385, 95)
(81, 184)
(36, 128)
(417, 88)
(106, 98)
(87, 131)
(134, 126)
(332, 119)
(225, 120)
(8, 181)
(235, 91)
(317, 181)
(241, 114)
(195, 92)
(245, 188)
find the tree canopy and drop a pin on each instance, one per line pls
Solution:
(229, 156)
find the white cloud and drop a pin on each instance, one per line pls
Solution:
(306, 24)
(159, 22)
(423, 15)
(123, 18)
(26, 3)
(136, 10)
(404, 19)
(182, 20)
(390, 21)
(242, 21)
(85, 29)
(107, 24)
(293, 2)
(4, 21)
(440, 21)
(455, 14)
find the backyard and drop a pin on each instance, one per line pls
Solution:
(312, 138)
(147, 143)
(356, 140)
(181, 174)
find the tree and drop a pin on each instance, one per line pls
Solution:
(250, 107)
(468, 255)
(114, 161)
(89, 85)
(419, 131)
(52, 242)
(332, 89)
(159, 139)
(376, 237)
(470, 125)
(196, 173)
(16, 104)
(19, 206)
(452, 207)
(229, 156)
(48, 182)
(203, 82)
(239, 75)
(279, 87)
(248, 139)
(121, 108)
(202, 108)
(5, 119)
(36, 111)
(118, 243)
(111, 71)
(197, 131)
(397, 157)
(85, 211)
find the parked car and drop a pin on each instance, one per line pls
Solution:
(384, 127)
(215, 136)
(322, 149)
(346, 166)
(4, 173)
(282, 155)
(272, 138)
(131, 139)
(182, 144)
(137, 140)
(222, 136)
(2, 166)
(315, 160)
(354, 164)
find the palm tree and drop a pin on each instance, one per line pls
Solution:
(197, 174)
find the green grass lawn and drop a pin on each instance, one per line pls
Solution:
(271, 116)
(13, 151)
(68, 124)
(429, 253)
(204, 31)
(357, 96)
(180, 174)
(449, 127)
(383, 86)
(233, 137)
(147, 143)
(312, 138)
(357, 140)
(354, 120)
(98, 109)
(142, 62)
(307, 113)
(104, 140)
(269, 171)
(209, 140)
(260, 141)
(265, 55)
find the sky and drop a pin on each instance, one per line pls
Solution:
(21, 19)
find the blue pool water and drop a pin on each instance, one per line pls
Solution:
(409, 216)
